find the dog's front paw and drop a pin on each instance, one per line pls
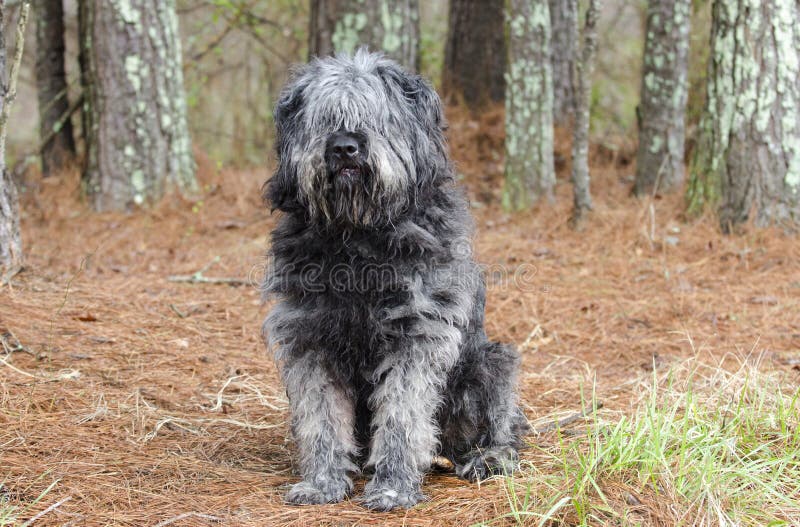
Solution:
(481, 464)
(385, 498)
(306, 493)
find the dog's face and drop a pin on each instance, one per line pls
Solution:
(358, 139)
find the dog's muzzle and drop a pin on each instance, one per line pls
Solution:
(345, 154)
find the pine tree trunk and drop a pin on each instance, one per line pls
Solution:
(83, 66)
(10, 239)
(529, 171)
(341, 26)
(663, 101)
(138, 144)
(748, 158)
(564, 21)
(475, 53)
(582, 199)
(51, 86)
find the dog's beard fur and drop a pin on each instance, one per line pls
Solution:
(349, 196)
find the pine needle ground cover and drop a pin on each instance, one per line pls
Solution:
(660, 362)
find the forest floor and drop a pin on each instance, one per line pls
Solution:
(130, 399)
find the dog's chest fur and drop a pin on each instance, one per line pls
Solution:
(349, 283)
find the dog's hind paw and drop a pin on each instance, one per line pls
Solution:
(386, 499)
(484, 463)
(305, 493)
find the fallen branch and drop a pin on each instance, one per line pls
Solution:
(200, 278)
(46, 511)
(561, 423)
(215, 519)
(178, 312)
(63, 375)
(4, 362)
(11, 344)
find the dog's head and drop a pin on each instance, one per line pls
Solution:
(359, 141)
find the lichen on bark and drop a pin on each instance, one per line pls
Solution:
(584, 65)
(747, 164)
(529, 170)
(11, 257)
(660, 163)
(135, 114)
(342, 26)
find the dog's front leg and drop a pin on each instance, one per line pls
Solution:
(323, 427)
(405, 434)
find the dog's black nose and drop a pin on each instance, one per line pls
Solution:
(344, 145)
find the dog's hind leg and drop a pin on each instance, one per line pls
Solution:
(323, 426)
(482, 424)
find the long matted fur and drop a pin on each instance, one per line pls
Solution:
(379, 327)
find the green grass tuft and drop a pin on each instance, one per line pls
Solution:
(703, 446)
(11, 514)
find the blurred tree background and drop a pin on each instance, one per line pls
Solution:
(238, 53)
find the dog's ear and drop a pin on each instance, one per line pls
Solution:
(425, 105)
(425, 101)
(289, 102)
(281, 191)
(422, 98)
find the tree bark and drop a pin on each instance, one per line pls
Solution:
(664, 90)
(563, 21)
(138, 144)
(748, 158)
(51, 85)
(582, 199)
(475, 52)
(529, 170)
(10, 238)
(341, 26)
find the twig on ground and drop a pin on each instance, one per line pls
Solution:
(561, 423)
(11, 344)
(25, 373)
(178, 312)
(46, 511)
(219, 402)
(63, 375)
(200, 278)
(209, 517)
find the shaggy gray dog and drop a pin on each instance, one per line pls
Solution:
(378, 328)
